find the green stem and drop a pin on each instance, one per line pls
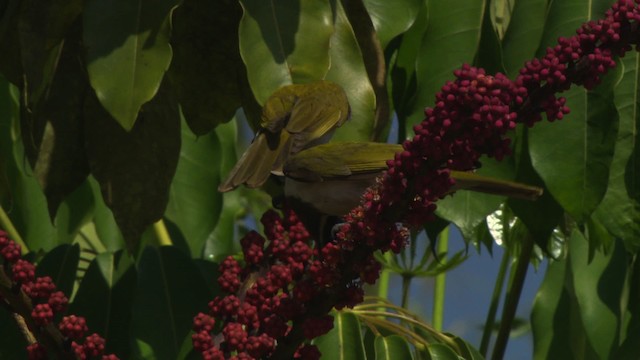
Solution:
(406, 283)
(513, 297)
(495, 301)
(162, 235)
(439, 287)
(383, 282)
(6, 224)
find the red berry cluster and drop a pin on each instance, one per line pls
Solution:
(45, 302)
(260, 311)
(471, 117)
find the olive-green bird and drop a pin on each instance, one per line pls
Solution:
(294, 118)
(331, 178)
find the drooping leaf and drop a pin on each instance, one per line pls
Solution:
(135, 168)
(128, 52)
(523, 34)
(42, 28)
(170, 291)
(206, 65)
(391, 19)
(344, 341)
(452, 38)
(105, 299)
(23, 199)
(619, 211)
(284, 42)
(61, 264)
(52, 126)
(347, 70)
(598, 285)
(392, 347)
(194, 201)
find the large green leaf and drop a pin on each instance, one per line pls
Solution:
(452, 38)
(128, 52)
(23, 199)
(61, 264)
(194, 201)
(105, 224)
(135, 168)
(170, 291)
(52, 128)
(344, 341)
(392, 18)
(523, 34)
(105, 299)
(441, 352)
(347, 69)
(598, 285)
(284, 42)
(206, 68)
(392, 347)
(42, 28)
(619, 211)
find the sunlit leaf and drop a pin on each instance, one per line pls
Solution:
(391, 19)
(347, 70)
(284, 42)
(194, 201)
(128, 52)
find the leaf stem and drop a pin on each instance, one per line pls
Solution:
(162, 235)
(495, 301)
(439, 287)
(513, 297)
(406, 284)
(383, 282)
(5, 223)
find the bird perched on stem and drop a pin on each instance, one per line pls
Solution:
(294, 118)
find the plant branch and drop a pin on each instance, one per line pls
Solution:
(5, 223)
(373, 57)
(495, 301)
(513, 297)
(439, 287)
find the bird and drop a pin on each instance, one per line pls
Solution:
(293, 118)
(331, 178)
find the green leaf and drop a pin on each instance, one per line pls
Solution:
(42, 28)
(391, 19)
(169, 293)
(452, 38)
(61, 264)
(573, 156)
(105, 299)
(52, 128)
(552, 317)
(392, 347)
(128, 52)
(619, 211)
(23, 201)
(467, 209)
(105, 224)
(582, 143)
(598, 285)
(284, 42)
(206, 68)
(347, 70)
(441, 352)
(135, 168)
(344, 341)
(523, 35)
(489, 56)
(194, 202)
